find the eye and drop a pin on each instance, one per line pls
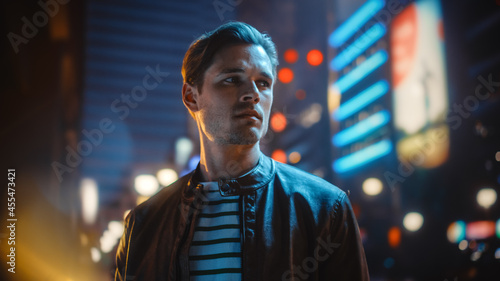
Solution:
(232, 80)
(264, 83)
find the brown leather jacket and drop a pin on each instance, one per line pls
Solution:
(295, 226)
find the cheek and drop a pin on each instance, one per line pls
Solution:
(213, 111)
(267, 103)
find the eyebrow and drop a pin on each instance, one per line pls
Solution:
(241, 70)
(231, 70)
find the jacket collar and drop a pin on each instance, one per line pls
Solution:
(256, 178)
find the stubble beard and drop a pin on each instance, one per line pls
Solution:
(233, 135)
(240, 136)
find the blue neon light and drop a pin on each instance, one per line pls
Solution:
(355, 22)
(361, 100)
(363, 156)
(460, 228)
(361, 129)
(361, 71)
(358, 47)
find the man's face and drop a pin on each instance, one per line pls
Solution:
(235, 100)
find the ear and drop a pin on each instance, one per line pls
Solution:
(190, 97)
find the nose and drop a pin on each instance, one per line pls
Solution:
(251, 93)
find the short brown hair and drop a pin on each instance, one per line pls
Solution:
(199, 56)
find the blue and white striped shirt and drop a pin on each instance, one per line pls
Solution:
(215, 252)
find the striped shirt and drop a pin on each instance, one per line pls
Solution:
(215, 252)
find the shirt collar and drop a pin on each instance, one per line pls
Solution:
(256, 178)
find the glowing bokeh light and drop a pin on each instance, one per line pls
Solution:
(310, 115)
(394, 236)
(473, 245)
(90, 200)
(456, 231)
(84, 239)
(480, 230)
(413, 221)
(300, 94)
(116, 228)
(183, 149)
(279, 155)
(107, 241)
(463, 245)
(314, 57)
(372, 186)
(285, 75)
(294, 157)
(146, 185)
(486, 197)
(291, 56)
(278, 122)
(95, 254)
(475, 256)
(166, 176)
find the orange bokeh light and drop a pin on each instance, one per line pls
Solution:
(294, 157)
(278, 122)
(285, 75)
(279, 155)
(291, 56)
(300, 94)
(394, 236)
(314, 57)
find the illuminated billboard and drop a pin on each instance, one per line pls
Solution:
(420, 94)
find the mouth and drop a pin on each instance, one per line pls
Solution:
(250, 114)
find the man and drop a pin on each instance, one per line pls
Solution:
(240, 215)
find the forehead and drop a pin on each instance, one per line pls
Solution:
(244, 56)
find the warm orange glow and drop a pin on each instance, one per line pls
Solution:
(394, 236)
(294, 157)
(291, 56)
(60, 23)
(426, 149)
(278, 122)
(285, 75)
(314, 57)
(333, 98)
(300, 94)
(279, 155)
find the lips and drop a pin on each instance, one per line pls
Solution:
(249, 113)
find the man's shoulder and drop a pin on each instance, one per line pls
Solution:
(296, 180)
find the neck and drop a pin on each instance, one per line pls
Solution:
(228, 160)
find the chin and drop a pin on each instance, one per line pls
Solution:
(247, 138)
